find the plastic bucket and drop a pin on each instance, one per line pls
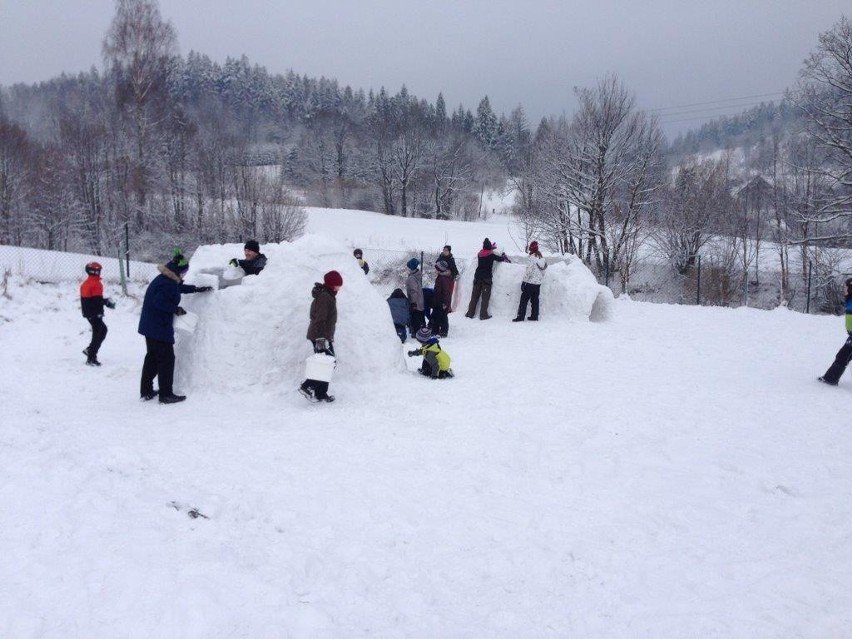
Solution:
(233, 273)
(186, 323)
(319, 367)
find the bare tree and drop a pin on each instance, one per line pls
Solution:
(139, 50)
(692, 211)
(824, 93)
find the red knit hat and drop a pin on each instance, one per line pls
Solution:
(332, 278)
(533, 247)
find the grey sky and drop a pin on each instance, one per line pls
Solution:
(528, 52)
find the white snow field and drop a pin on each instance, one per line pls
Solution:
(617, 469)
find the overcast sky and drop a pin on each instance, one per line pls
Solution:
(713, 54)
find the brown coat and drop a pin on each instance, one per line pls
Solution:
(323, 314)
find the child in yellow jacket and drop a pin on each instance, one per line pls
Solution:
(436, 361)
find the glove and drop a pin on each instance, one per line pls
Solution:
(203, 289)
(179, 311)
(109, 303)
(233, 262)
(320, 345)
(414, 353)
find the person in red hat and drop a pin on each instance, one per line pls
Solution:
(321, 331)
(531, 284)
(92, 302)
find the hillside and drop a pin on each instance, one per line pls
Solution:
(663, 473)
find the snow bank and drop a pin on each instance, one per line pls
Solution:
(569, 291)
(253, 335)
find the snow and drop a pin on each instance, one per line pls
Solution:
(658, 471)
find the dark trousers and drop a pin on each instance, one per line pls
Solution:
(483, 288)
(529, 293)
(159, 363)
(440, 322)
(841, 361)
(417, 321)
(99, 333)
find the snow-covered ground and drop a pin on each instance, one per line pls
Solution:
(672, 471)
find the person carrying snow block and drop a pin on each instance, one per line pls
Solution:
(255, 260)
(323, 316)
(436, 361)
(156, 324)
(414, 291)
(531, 284)
(400, 313)
(483, 278)
(92, 302)
(844, 355)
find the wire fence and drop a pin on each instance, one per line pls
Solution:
(811, 288)
(54, 267)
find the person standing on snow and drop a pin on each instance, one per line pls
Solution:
(447, 256)
(321, 331)
(441, 299)
(156, 324)
(92, 302)
(844, 355)
(483, 277)
(414, 291)
(255, 260)
(531, 284)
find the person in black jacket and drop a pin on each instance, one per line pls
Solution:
(255, 260)
(483, 277)
(359, 255)
(156, 324)
(92, 302)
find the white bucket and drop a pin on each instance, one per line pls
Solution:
(233, 273)
(319, 367)
(186, 323)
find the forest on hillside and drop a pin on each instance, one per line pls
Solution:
(174, 150)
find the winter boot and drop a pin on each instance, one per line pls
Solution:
(171, 399)
(826, 381)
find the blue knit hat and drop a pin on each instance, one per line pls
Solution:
(412, 264)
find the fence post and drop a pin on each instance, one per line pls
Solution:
(698, 284)
(126, 248)
(121, 272)
(808, 305)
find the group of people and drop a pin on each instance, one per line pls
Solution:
(163, 296)
(156, 321)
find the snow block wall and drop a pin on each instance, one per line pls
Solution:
(569, 291)
(252, 336)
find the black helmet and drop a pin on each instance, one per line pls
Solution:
(94, 268)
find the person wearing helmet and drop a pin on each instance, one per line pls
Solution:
(436, 361)
(531, 284)
(844, 355)
(321, 328)
(156, 324)
(92, 302)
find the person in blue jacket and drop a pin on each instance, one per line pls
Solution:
(844, 355)
(156, 324)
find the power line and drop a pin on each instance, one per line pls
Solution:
(695, 104)
(707, 110)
